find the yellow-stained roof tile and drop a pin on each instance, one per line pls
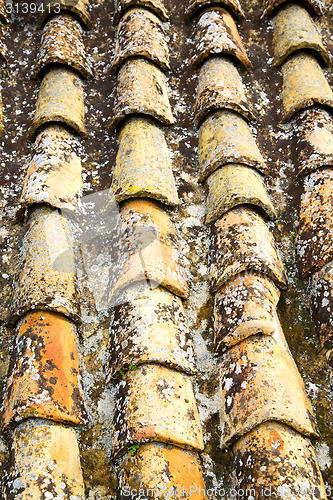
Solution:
(241, 241)
(54, 173)
(315, 6)
(143, 166)
(244, 306)
(141, 33)
(61, 100)
(260, 382)
(220, 87)
(4, 14)
(275, 459)
(156, 6)
(146, 469)
(62, 43)
(216, 33)
(294, 30)
(43, 455)
(304, 84)
(152, 249)
(151, 328)
(43, 378)
(225, 137)
(194, 5)
(141, 88)
(78, 7)
(47, 275)
(154, 403)
(234, 185)
(314, 241)
(314, 146)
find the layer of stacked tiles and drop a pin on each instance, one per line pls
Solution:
(307, 101)
(44, 396)
(156, 427)
(266, 417)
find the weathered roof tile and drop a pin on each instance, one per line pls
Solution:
(62, 43)
(43, 378)
(146, 470)
(195, 5)
(43, 455)
(46, 278)
(321, 299)
(225, 137)
(241, 241)
(54, 173)
(4, 16)
(294, 30)
(244, 307)
(304, 84)
(220, 87)
(151, 328)
(314, 146)
(141, 88)
(61, 100)
(78, 7)
(260, 382)
(153, 250)
(279, 459)
(314, 241)
(234, 185)
(140, 33)
(154, 403)
(156, 6)
(315, 6)
(216, 33)
(143, 166)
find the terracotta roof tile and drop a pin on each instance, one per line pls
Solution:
(44, 455)
(151, 328)
(220, 87)
(43, 378)
(244, 307)
(216, 34)
(155, 403)
(279, 459)
(234, 185)
(314, 147)
(62, 43)
(143, 166)
(78, 7)
(156, 6)
(46, 278)
(321, 299)
(294, 30)
(241, 241)
(61, 100)
(54, 172)
(140, 33)
(195, 5)
(4, 17)
(315, 6)
(146, 469)
(225, 137)
(304, 84)
(314, 243)
(159, 261)
(260, 382)
(141, 88)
